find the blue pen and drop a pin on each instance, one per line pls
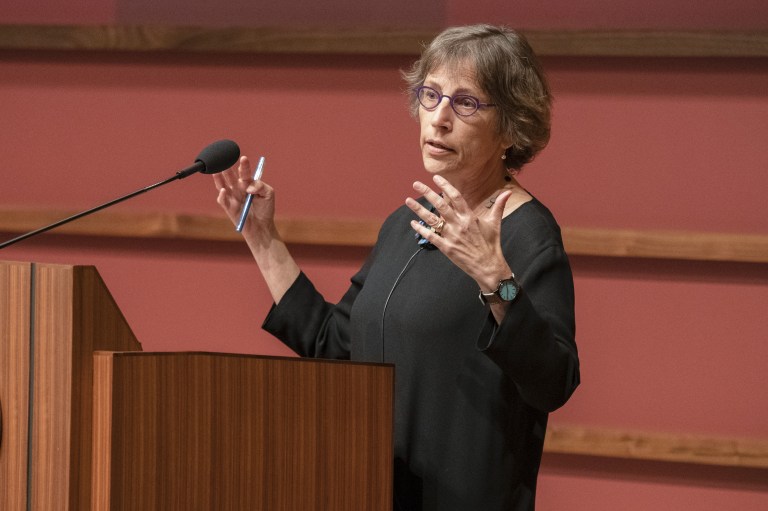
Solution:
(249, 199)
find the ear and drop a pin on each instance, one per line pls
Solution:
(504, 151)
(506, 142)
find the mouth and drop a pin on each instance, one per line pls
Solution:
(437, 145)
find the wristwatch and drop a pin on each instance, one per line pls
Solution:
(507, 291)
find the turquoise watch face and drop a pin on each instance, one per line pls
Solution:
(508, 290)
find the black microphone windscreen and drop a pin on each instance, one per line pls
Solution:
(219, 156)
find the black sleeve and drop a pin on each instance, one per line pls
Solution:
(535, 343)
(311, 326)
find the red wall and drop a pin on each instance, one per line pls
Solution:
(530, 14)
(639, 143)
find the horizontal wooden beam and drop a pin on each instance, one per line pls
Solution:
(682, 245)
(154, 38)
(650, 43)
(695, 246)
(682, 448)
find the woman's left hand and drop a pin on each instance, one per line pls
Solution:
(471, 240)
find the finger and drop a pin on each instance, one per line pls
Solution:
(258, 188)
(230, 205)
(426, 215)
(244, 169)
(224, 199)
(229, 178)
(497, 210)
(225, 178)
(440, 204)
(428, 234)
(218, 181)
(450, 193)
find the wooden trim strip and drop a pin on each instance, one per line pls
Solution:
(270, 40)
(678, 245)
(650, 43)
(683, 448)
(691, 246)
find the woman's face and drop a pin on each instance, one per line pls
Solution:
(462, 149)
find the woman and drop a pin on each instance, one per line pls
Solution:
(477, 313)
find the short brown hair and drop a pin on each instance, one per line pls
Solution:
(507, 70)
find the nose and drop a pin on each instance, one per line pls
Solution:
(442, 115)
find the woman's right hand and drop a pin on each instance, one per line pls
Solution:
(277, 266)
(234, 185)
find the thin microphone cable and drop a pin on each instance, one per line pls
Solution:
(386, 302)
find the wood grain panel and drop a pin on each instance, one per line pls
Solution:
(63, 313)
(270, 40)
(52, 381)
(98, 324)
(15, 279)
(217, 431)
(101, 461)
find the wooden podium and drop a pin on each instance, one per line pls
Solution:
(89, 421)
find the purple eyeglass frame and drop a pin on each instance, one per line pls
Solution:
(451, 99)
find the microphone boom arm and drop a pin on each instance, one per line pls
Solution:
(179, 175)
(214, 158)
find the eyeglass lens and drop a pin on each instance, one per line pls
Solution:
(461, 104)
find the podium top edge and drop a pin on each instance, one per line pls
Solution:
(216, 354)
(41, 264)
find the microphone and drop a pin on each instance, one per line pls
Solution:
(216, 157)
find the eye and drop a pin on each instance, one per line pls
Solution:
(429, 94)
(465, 102)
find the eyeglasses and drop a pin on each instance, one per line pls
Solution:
(462, 104)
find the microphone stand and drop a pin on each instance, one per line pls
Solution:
(179, 175)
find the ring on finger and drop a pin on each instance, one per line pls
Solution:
(438, 227)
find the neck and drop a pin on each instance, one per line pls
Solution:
(480, 193)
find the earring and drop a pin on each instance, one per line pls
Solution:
(504, 156)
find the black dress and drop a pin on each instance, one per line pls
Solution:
(471, 397)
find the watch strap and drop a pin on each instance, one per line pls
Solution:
(494, 297)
